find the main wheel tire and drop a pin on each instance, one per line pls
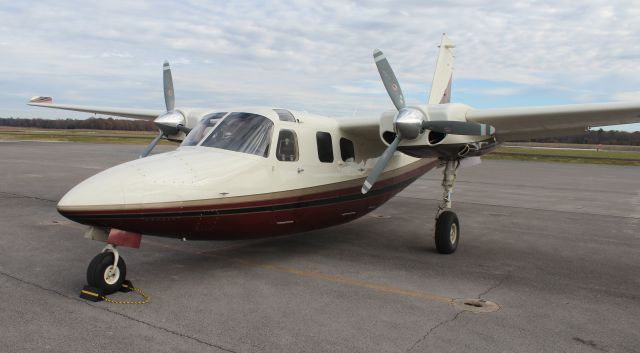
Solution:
(100, 273)
(447, 232)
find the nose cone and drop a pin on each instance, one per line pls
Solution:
(167, 179)
(104, 188)
(150, 179)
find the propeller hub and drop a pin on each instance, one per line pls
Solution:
(408, 123)
(170, 122)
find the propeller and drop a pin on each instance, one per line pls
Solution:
(410, 122)
(389, 79)
(167, 81)
(172, 121)
(382, 162)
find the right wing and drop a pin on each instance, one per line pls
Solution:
(142, 114)
(551, 121)
(365, 128)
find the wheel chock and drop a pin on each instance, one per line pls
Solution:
(95, 294)
(92, 294)
(126, 286)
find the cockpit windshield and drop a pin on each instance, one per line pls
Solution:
(202, 129)
(242, 132)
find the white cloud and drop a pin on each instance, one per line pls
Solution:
(316, 55)
(181, 61)
(351, 89)
(502, 91)
(115, 54)
(626, 96)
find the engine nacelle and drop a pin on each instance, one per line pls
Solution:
(435, 144)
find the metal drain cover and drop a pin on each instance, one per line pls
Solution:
(476, 305)
(377, 215)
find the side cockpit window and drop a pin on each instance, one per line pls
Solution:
(287, 146)
(347, 152)
(325, 147)
(202, 129)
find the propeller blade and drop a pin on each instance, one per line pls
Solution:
(459, 127)
(167, 80)
(380, 165)
(389, 79)
(151, 145)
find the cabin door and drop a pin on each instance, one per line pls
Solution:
(288, 172)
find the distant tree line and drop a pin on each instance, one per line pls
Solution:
(591, 137)
(91, 123)
(598, 137)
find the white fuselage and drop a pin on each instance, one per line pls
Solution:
(194, 184)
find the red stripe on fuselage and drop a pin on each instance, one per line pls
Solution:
(254, 219)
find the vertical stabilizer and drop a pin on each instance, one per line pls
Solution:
(441, 86)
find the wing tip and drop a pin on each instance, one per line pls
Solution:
(40, 100)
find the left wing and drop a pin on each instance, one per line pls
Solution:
(143, 114)
(550, 121)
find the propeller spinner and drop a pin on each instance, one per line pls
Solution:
(410, 122)
(172, 121)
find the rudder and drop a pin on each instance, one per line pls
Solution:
(441, 85)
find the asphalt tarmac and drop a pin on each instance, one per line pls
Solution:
(555, 246)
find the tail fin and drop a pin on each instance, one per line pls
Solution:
(441, 85)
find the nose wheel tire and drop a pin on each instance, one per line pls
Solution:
(447, 234)
(103, 275)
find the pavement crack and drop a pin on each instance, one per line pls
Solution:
(12, 195)
(589, 343)
(441, 323)
(498, 284)
(176, 333)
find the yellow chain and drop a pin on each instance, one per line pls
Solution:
(145, 297)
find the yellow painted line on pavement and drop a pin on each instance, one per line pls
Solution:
(352, 282)
(378, 287)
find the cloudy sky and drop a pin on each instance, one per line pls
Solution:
(314, 55)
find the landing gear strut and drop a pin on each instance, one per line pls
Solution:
(107, 271)
(447, 232)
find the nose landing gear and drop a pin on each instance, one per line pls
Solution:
(107, 271)
(447, 232)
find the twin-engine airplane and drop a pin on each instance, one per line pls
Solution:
(244, 173)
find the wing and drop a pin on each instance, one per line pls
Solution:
(143, 114)
(550, 121)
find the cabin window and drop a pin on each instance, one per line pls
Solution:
(285, 115)
(346, 150)
(287, 149)
(202, 129)
(242, 132)
(325, 147)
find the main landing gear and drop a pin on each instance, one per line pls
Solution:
(107, 271)
(447, 232)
